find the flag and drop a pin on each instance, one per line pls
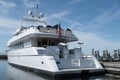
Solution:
(59, 30)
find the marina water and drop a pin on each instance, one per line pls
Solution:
(8, 72)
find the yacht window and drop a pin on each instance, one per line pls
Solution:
(17, 46)
(48, 42)
(54, 42)
(39, 43)
(61, 53)
(44, 42)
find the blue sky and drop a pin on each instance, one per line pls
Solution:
(95, 22)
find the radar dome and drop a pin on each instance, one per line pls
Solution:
(29, 12)
(41, 15)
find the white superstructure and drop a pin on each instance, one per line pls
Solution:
(43, 47)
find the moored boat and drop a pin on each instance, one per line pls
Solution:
(43, 48)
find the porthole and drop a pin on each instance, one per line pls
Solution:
(42, 62)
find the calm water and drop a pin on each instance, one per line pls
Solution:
(8, 72)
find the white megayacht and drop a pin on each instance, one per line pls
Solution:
(42, 47)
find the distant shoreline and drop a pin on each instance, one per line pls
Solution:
(3, 57)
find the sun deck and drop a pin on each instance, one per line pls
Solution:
(38, 32)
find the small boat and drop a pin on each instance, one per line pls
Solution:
(44, 48)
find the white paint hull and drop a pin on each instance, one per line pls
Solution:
(38, 62)
(43, 47)
(29, 58)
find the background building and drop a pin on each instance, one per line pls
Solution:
(106, 56)
(116, 55)
(96, 54)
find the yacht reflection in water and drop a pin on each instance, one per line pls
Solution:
(15, 73)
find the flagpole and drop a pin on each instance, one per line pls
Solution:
(59, 29)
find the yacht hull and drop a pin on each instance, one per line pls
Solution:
(63, 73)
(48, 65)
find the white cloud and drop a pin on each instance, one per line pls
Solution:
(59, 15)
(8, 23)
(75, 1)
(8, 4)
(55, 17)
(73, 24)
(91, 40)
(5, 6)
(104, 18)
(30, 3)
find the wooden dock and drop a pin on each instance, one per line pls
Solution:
(112, 67)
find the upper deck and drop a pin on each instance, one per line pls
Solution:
(42, 32)
(34, 26)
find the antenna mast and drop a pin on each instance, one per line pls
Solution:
(37, 6)
(80, 44)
